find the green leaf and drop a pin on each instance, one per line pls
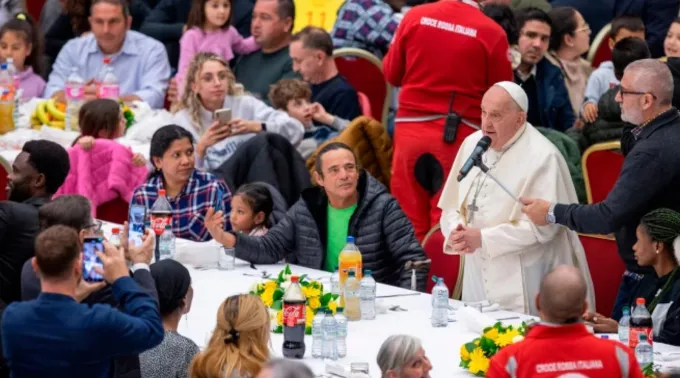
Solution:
(336, 296)
(279, 279)
(303, 277)
(308, 330)
(326, 297)
(277, 305)
(278, 294)
(470, 347)
(279, 329)
(288, 271)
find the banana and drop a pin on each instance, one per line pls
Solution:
(58, 124)
(51, 108)
(41, 113)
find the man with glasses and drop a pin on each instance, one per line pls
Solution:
(74, 211)
(37, 172)
(549, 104)
(650, 176)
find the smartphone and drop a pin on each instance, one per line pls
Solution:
(223, 115)
(219, 201)
(90, 259)
(136, 224)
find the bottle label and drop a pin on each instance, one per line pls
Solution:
(111, 91)
(158, 223)
(634, 335)
(75, 92)
(346, 266)
(293, 314)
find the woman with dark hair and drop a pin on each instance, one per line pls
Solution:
(658, 246)
(190, 192)
(569, 40)
(505, 17)
(172, 357)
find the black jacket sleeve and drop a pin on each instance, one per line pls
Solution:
(641, 176)
(161, 23)
(402, 243)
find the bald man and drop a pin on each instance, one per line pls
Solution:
(649, 178)
(506, 256)
(561, 345)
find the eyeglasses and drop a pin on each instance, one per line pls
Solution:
(636, 93)
(585, 28)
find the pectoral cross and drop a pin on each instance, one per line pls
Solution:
(472, 208)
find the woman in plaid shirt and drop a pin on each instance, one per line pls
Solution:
(190, 192)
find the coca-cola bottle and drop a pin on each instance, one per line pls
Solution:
(640, 323)
(161, 215)
(294, 311)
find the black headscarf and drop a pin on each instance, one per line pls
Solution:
(172, 282)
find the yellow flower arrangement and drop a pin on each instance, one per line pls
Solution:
(271, 292)
(475, 355)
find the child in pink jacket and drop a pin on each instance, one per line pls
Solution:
(209, 30)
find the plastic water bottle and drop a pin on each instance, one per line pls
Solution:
(644, 353)
(624, 326)
(352, 301)
(367, 296)
(317, 334)
(341, 321)
(335, 283)
(329, 327)
(18, 93)
(440, 304)
(167, 244)
(115, 237)
(108, 85)
(75, 94)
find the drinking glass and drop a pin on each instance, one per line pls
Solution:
(226, 259)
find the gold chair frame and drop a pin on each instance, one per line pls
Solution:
(601, 36)
(605, 146)
(458, 287)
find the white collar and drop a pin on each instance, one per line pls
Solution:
(525, 77)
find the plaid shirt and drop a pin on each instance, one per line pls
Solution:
(365, 24)
(190, 206)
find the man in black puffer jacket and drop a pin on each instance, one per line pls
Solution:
(349, 202)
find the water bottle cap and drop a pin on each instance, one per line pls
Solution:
(350, 239)
(626, 309)
(115, 230)
(439, 279)
(167, 227)
(294, 279)
(640, 301)
(643, 337)
(367, 272)
(107, 60)
(351, 273)
(339, 309)
(161, 192)
(3, 66)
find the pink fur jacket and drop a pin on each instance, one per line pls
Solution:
(103, 173)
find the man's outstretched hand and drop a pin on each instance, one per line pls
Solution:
(536, 210)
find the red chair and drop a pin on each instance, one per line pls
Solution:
(601, 164)
(115, 211)
(599, 49)
(449, 267)
(34, 7)
(364, 71)
(5, 169)
(606, 269)
(365, 104)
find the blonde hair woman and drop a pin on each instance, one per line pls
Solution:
(211, 86)
(239, 346)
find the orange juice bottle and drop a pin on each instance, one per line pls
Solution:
(6, 112)
(349, 259)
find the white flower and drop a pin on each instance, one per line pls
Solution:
(515, 339)
(253, 287)
(286, 277)
(272, 320)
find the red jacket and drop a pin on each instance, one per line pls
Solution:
(555, 351)
(444, 47)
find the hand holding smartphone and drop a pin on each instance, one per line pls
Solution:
(223, 116)
(90, 259)
(136, 224)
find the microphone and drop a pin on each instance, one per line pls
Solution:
(476, 154)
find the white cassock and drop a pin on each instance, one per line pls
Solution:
(515, 254)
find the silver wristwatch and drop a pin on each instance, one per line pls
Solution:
(550, 217)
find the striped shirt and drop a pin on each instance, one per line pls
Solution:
(189, 207)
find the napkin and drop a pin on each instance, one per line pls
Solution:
(474, 320)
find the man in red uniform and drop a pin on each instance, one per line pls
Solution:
(440, 49)
(561, 345)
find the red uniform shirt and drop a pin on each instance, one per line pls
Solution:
(445, 47)
(561, 351)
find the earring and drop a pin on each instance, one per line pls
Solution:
(657, 251)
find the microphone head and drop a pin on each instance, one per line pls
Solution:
(485, 142)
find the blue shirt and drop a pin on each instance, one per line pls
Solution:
(54, 336)
(141, 66)
(202, 191)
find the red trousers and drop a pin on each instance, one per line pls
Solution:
(420, 165)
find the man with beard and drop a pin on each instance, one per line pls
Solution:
(37, 173)
(549, 104)
(649, 178)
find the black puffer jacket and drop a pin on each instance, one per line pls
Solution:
(383, 234)
(607, 127)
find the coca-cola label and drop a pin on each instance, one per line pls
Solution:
(75, 92)
(158, 223)
(293, 314)
(634, 335)
(109, 91)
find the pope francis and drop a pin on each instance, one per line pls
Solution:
(506, 255)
